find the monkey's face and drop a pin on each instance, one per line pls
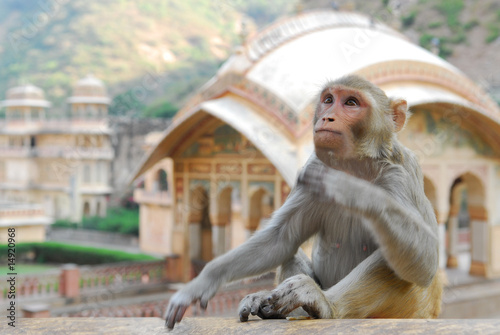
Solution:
(340, 121)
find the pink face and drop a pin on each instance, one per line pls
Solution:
(340, 117)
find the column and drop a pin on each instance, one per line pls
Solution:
(452, 261)
(479, 241)
(442, 240)
(69, 281)
(194, 238)
(218, 240)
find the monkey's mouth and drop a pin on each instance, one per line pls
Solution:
(327, 130)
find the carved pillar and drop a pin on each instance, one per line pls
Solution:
(442, 240)
(452, 261)
(194, 236)
(218, 240)
(479, 241)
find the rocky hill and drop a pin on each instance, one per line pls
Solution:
(468, 31)
(143, 50)
(153, 54)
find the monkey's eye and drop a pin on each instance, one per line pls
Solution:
(328, 100)
(351, 102)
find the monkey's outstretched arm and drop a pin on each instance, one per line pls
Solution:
(263, 252)
(406, 234)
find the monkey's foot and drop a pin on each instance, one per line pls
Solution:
(300, 291)
(257, 304)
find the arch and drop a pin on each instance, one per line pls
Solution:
(269, 140)
(467, 224)
(161, 181)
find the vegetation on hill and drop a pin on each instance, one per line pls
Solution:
(154, 54)
(155, 51)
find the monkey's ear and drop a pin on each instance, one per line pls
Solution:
(399, 108)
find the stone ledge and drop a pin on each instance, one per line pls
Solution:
(217, 326)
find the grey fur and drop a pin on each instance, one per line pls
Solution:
(365, 214)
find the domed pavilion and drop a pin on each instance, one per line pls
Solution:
(233, 152)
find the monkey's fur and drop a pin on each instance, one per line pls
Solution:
(361, 196)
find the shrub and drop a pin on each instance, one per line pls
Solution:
(471, 24)
(54, 252)
(118, 220)
(451, 9)
(493, 33)
(409, 19)
(434, 25)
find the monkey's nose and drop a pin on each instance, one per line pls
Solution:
(328, 119)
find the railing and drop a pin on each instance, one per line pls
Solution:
(224, 303)
(159, 198)
(44, 285)
(91, 279)
(58, 151)
(15, 152)
(75, 152)
(96, 278)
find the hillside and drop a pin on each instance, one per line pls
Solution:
(141, 49)
(468, 30)
(154, 54)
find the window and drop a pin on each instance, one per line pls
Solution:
(162, 180)
(87, 174)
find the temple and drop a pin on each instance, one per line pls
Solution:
(233, 152)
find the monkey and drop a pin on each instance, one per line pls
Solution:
(361, 196)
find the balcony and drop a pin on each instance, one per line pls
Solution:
(75, 152)
(162, 198)
(66, 152)
(66, 126)
(15, 152)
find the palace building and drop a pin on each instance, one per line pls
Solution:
(60, 162)
(233, 152)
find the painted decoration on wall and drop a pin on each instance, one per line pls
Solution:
(179, 199)
(200, 167)
(179, 188)
(429, 133)
(229, 168)
(261, 169)
(223, 141)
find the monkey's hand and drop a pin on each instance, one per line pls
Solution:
(312, 179)
(197, 290)
(257, 304)
(301, 291)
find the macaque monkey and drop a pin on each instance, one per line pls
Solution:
(361, 196)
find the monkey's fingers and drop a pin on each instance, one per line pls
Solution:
(312, 176)
(170, 317)
(244, 313)
(174, 315)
